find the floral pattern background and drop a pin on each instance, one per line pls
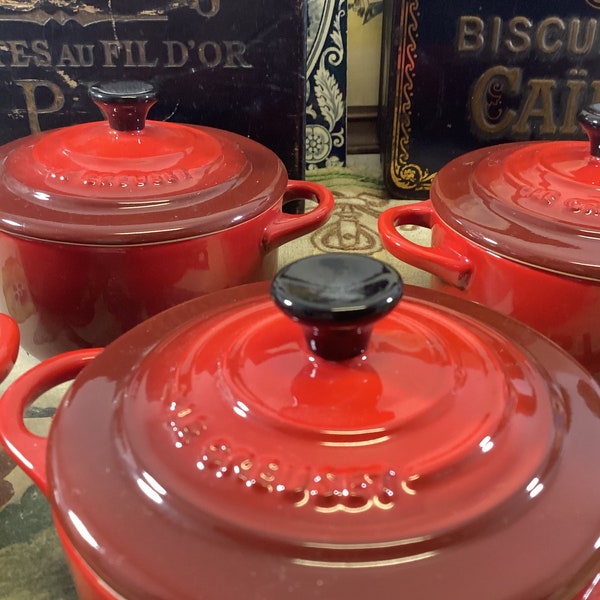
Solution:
(326, 84)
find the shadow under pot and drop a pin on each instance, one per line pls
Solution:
(104, 224)
(317, 437)
(517, 227)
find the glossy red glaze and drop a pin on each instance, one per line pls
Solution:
(563, 308)
(87, 583)
(9, 345)
(23, 392)
(102, 227)
(68, 296)
(515, 227)
(219, 457)
(533, 202)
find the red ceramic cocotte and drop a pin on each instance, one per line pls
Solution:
(517, 227)
(9, 345)
(106, 223)
(329, 441)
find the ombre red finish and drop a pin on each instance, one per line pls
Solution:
(105, 224)
(219, 456)
(9, 345)
(516, 227)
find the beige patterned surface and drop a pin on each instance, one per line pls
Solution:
(32, 566)
(359, 199)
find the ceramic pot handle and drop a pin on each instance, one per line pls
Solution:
(337, 298)
(27, 449)
(590, 121)
(124, 103)
(287, 226)
(9, 345)
(444, 262)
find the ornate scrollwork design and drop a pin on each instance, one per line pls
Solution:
(406, 175)
(326, 98)
(413, 177)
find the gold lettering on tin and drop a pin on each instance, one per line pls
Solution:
(518, 28)
(549, 35)
(84, 15)
(519, 35)
(470, 33)
(177, 53)
(77, 55)
(111, 50)
(479, 105)
(215, 6)
(210, 54)
(18, 52)
(234, 55)
(539, 98)
(595, 85)
(576, 45)
(29, 87)
(111, 53)
(22, 54)
(135, 54)
(538, 103)
(41, 53)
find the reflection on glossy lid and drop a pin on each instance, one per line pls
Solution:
(533, 202)
(443, 444)
(128, 180)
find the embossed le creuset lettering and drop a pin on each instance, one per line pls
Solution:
(108, 218)
(324, 488)
(182, 490)
(586, 207)
(95, 179)
(578, 206)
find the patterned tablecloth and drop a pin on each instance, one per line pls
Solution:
(32, 565)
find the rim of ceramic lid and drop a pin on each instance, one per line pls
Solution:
(128, 180)
(227, 449)
(535, 203)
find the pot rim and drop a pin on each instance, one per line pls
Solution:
(80, 220)
(129, 180)
(229, 428)
(554, 360)
(497, 197)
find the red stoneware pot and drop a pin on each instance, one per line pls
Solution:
(107, 223)
(517, 227)
(9, 345)
(333, 441)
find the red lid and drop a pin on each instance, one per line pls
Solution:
(128, 180)
(441, 451)
(533, 202)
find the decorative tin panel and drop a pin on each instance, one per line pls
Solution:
(234, 64)
(458, 76)
(326, 83)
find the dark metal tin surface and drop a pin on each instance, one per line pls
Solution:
(457, 76)
(237, 65)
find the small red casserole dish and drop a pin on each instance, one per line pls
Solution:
(224, 449)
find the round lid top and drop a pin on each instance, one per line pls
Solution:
(322, 427)
(127, 180)
(533, 202)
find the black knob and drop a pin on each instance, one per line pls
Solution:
(590, 121)
(336, 298)
(125, 103)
